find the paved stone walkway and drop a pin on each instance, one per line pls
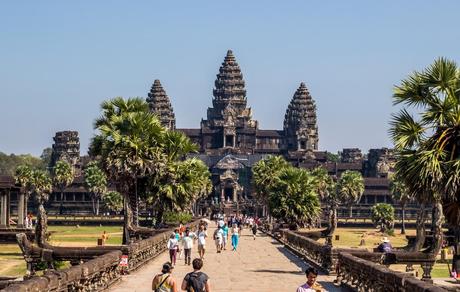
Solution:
(261, 265)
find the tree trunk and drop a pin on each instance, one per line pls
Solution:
(351, 211)
(97, 207)
(94, 206)
(61, 205)
(403, 215)
(438, 218)
(420, 224)
(127, 220)
(41, 227)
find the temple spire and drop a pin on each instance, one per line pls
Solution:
(300, 125)
(229, 84)
(160, 105)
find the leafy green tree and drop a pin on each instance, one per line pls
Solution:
(41, 185)
(350, 188)
(293, 198)
(400, 194)
(9, 163)
(426, 134)
(383, 215)
(325, 188)
(265, 174)
(63, 176)
(129, 147)
(96, 182)
(113, 201)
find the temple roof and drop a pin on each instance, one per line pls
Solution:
(160, 105)
(229, 162)
(229, 84)
(301, 112)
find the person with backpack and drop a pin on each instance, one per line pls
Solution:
(196, 281)
(164, 282)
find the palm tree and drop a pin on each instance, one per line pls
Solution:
(24, 176)
(41, 185)
(63, 176)
(294, 198)
(113, 201)
(350, 188)
(265, 174)
(129, 147)
(96, 182)
(427, 141)
(325, 188)
(399, 194)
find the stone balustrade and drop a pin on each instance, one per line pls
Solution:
(363, 275)
(100, 267)
(94, 275)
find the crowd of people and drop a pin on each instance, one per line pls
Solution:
(181, 242)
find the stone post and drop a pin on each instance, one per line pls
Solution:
(222, 195)
(21, 210)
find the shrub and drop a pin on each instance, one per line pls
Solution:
(177, 217)
(383, 215)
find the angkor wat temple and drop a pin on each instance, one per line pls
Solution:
(231, 142)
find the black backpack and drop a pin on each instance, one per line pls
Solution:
(195, 282)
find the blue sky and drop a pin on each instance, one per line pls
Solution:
(59, 60)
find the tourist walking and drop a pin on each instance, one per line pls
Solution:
(235, 236)
(202, 235)
(196, 281)
(225, 237)
(173, 247)
(310, 285)
(187, 241)
(218, 238)
(254, 230)
(165, 282)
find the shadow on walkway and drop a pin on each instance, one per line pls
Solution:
(278, 272)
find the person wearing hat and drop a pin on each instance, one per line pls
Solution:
(164, 282)
(385, 245)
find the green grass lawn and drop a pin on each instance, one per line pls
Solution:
(86, 235)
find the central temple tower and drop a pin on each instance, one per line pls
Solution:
(229, 127)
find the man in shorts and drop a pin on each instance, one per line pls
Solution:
(202, 241)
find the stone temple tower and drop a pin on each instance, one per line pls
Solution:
(300, 128)
(229, 121)
(66, 147)
(160, 105)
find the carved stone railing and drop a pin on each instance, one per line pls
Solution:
(95, 268)
(94, 275)
(323, 256)
(363, 275)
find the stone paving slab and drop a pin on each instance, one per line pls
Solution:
(261, 265)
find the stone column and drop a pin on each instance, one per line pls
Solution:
(224, 140)
(21, 210)
(222, 195)
(235, 195)
(8, 211)
(2, 210)
(234, 140)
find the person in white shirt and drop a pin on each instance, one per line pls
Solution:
(202, 241)
(173, 246)
(187, 241)
(219, 237)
